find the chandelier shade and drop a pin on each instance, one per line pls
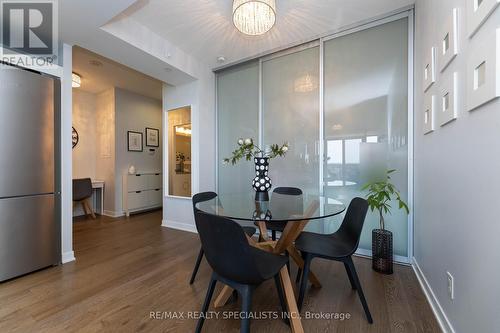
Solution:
(254, 17)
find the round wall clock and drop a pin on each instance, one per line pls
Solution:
(75, 137)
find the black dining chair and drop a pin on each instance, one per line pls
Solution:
(82, 192)
(200, 197)
(280, 226)
(236, 263)
(339, 246)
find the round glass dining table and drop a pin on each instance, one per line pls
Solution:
(279, 208)
(298, 210)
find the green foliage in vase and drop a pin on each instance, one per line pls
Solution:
(247, 149)
(380, 195)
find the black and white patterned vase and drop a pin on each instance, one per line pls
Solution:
(261, 183)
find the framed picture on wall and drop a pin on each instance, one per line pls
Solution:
(134, 141)
(152, 137)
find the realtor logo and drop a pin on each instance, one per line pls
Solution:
(29, 32)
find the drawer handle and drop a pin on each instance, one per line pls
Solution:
(138, 175)
(157, 189)
(157, 174)
(138, 191)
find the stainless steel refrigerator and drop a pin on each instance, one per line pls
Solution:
(29, 182)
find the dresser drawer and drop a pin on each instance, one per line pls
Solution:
(155, 197)
(137, 199)
(154, 181)
(137, 182)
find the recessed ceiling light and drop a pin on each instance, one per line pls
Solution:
(95, 63)
(221, 59)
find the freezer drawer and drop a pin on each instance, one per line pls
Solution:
(29, 235)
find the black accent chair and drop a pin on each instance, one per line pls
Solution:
(200, 197)
(236, 263)
(339, 246)
(82, 192)
(280, 226)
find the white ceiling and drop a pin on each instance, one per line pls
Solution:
(96, 79)
(204, 29)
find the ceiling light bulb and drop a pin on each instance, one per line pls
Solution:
(254, 17)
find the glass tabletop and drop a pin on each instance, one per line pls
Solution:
(279, 208)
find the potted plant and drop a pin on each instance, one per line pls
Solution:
(379, 197)
(248, 150)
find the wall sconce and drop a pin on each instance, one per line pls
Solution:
(76, 80)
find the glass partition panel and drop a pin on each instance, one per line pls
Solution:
(290, 97)
(238, 117)
(366, 120)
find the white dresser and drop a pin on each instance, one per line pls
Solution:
(142, 191)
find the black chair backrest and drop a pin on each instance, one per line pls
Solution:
(226, 249)
(352, 225)
(288, 190)
(200, 197)
(289, 201)
(82, 189)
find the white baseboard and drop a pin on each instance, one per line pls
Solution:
(441, 317)
(179, 226)
(111, 213)
(68, 257)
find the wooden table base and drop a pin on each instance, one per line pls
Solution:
(284, 244)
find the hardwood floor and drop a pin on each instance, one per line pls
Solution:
(129, 267)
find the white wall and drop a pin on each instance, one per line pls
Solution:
(105, 159)
(457, 177)
(134, 112)
(84, 121)
(200, 95)
(66, 157)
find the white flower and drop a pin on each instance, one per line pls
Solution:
(248, 141)
(284, 149)
(240, 142)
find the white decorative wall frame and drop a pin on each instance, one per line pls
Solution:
(478, 12)
(429, 112)
(429, 69)
(448, 41)
(447, 102)
(483, 71)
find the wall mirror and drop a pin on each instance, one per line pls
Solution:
(179, 152)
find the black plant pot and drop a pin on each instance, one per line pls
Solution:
(261, 183)
(382, 258)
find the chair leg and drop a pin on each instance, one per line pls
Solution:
(350, 265)
(305, 277)
(84, 208)
(273, 235)
(299, 273)
(206, 304)
(246, 308)
(196, 266)
(86, 203)
(349, 274)
(282, 298)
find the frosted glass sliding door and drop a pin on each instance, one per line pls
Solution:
(237, 117)
(290, 110)
(366, 119)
